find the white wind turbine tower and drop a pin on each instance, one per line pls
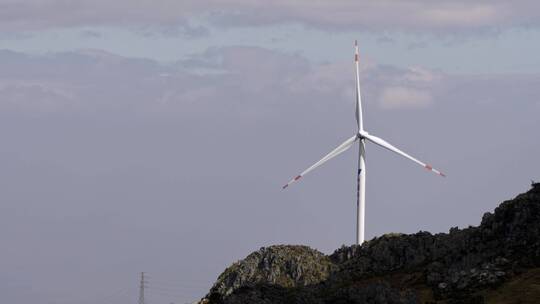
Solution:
(361, 136)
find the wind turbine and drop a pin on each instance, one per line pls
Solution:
(361, 137)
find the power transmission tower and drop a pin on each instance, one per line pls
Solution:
(141, 289)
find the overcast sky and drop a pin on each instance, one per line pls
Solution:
(156, 135)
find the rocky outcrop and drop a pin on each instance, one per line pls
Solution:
(280, 265)
(369, 294)
(396, 268)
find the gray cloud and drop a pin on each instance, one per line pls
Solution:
(91, 34)
(182, 30)
(114, 165)
(418, 15)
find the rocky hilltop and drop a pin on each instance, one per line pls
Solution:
(496, 262)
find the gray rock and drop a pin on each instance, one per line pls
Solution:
(454, 265)
(281, 265)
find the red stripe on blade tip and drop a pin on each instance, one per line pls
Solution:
(298, 177)
(428, 167)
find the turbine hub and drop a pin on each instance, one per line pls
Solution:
(361, 134)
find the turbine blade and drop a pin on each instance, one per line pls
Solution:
(358, 113)
(383, 143)
(340, 149)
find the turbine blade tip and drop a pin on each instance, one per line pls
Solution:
(284, 187)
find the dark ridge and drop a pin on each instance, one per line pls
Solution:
(496, 262)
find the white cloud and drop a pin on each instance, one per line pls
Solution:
(242, 77)
(420, 74)
(404, 97)
(239, 75)
(323, 78)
